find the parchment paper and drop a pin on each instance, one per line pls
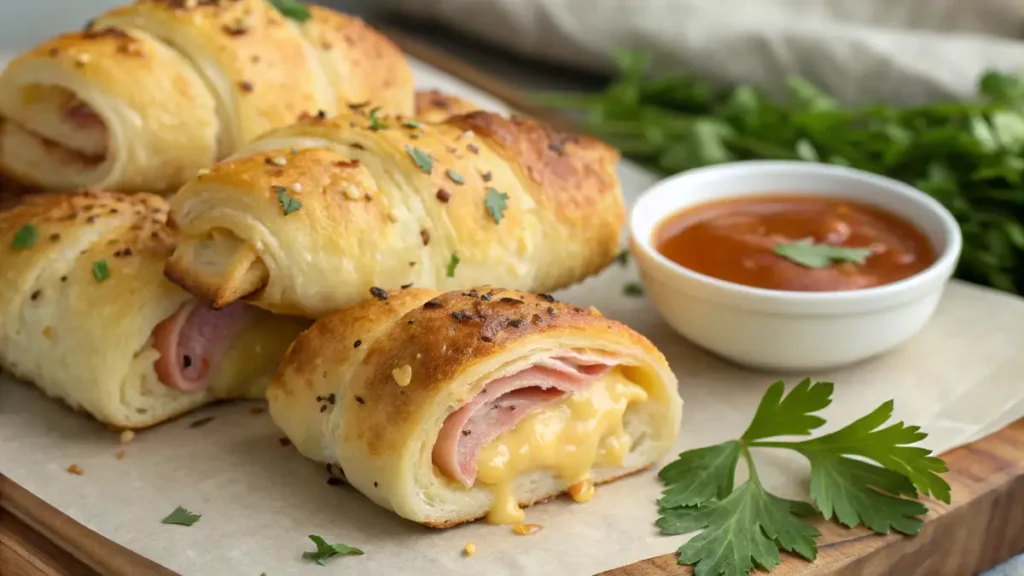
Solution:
(259, 500)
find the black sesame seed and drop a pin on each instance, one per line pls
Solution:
(323, 408)
(517, 323)
(63, 278)
(547, 297)
(487, 338)
(432, 304)
(54, 237)
(508, 300)
(486, 297)
(466, 432)
(443, 195)
(551, 311)
(472, 148)
(379, 293)
(409, 322)
(460, 315)
(360, 400)
(37, 294)
(331, 398)
(406, 286)
(374, 484)
(357, 344)
(486, 176)
(425, 236)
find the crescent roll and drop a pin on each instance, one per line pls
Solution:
(308, 218)
(154, 91)
(87, 316)
(435, 106)
(450, 407)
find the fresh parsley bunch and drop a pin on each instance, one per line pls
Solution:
(860, 474)
(967, 155)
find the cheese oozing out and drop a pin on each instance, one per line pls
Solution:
(254, 354)
(570, 436)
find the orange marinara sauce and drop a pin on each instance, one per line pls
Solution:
(735, 240)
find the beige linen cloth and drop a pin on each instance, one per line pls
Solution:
(900, 51)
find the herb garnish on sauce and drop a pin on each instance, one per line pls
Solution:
(810, 255)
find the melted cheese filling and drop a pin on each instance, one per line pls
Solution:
(570, 436)
(254, 355)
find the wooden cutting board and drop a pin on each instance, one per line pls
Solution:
(982, 526)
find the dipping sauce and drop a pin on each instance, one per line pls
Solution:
(743, 240)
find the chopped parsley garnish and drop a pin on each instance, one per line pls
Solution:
(182, 517)
(452, 265)
(26, 237)
(375, 123)
(806, 253)
(496, 203)
(863, 473)
(292, 9)
(325, 551)
(623, 257)
(411, 124)
(100, 270)
(288, 204)
(633, 289)
(423, 160)
(455, 176)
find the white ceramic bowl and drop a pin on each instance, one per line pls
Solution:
(786, 330)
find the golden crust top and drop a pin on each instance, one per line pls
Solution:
(435, 106)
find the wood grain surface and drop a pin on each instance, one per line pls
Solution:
(982, 526)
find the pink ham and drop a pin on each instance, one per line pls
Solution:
(503, 403)
(81, 114)
(193, 340)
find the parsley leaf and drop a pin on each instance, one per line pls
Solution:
(452, 264)
(496, 204)
(288, 204)
(623, 257)
(325, 551)
(806, 253)
(633, 289)
(292, 9)
(375, 123)
(423, 160)
(863, 473)
(100, 270)
(411, 124)
(182, 517)
(455, 176)
(26, 237)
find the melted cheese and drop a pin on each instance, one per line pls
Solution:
(569, 436)
(254, 354)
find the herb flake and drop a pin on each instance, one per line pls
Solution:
(325, 551)
(288, 203)
(182, 517)
(423, 160)
(496, 204)
(453, 263)
(26, 237)
(455, 176)
(811, 255)
(633, 289)
(375, 122)
(292, 9)
(100, 270)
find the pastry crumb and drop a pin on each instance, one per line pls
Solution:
(526, 529)
(127, 436)
(402, 375)
(121, 454)
(76, 470)
(470, 548)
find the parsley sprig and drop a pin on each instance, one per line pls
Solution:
(968, 155)
(860, 474)
(325, 551)
(809, 254)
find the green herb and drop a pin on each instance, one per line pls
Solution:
(411, 124)
(423, 160)
(633, 289)
(182, 517)
(100, 270)
(25, 237)
(452, 264)
(375, 123)
(623, 257)
(288, 204)
(496, 204)
(968, 155)
(292, 9)
(806, 253)
(860, 474)
(455, 176)
(325, 551)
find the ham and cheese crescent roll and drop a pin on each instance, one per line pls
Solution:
(307, 218)
(156, 90)
(87, 316)
(448, 407)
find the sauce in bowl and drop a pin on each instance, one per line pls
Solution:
(795, 243)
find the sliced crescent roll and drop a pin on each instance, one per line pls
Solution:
(308, 218)
(154, 91)
(449, 407)
(87, 316)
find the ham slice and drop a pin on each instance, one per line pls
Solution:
(81, 114)
(503, 403)
(193, 340)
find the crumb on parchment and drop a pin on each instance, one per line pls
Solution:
(76, 470)
(470, 549)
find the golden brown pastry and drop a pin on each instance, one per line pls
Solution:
(87, 316)
(448, 407)
(435, 106)
(156, 90)
(309, 218)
